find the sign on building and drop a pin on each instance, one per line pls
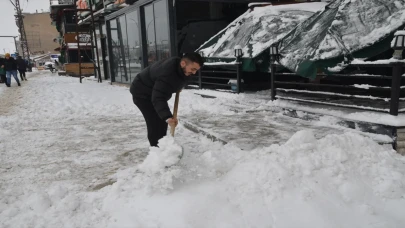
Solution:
(72, 38)
(83, 38)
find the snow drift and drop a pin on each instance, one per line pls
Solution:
(338, 181)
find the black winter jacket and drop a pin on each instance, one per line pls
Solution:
(158, 82)
(10, 64)
(22, 65)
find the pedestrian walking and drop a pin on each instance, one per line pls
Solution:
(10, 66)
(154, 86)
(22, 67)
(3, 78)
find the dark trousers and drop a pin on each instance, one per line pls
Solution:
(3, 78)
(157, 128)
(22, 73)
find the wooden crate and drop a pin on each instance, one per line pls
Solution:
(72, 69)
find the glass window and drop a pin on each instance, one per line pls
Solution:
(162, 29)
(86, 54)
(122, 34)
(134, 45)
(107, 64)
(150, 34)
(99, 57)
(70, 17)
(116, 50)
(157, 31)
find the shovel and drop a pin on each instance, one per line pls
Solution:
(176, 107)
(172, 129)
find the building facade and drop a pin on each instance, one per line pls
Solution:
(151, 30)
(40, 33)
(132, 34)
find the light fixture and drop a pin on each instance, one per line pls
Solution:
(238, 51)
(398, 44)
(274, 52)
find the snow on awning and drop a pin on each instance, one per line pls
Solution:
(258, 28)
(345, 28)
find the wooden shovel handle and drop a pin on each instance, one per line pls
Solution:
(176, 107)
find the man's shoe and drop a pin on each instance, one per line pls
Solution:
(19, 84)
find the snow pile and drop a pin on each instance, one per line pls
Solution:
(347, 180)
(167, 154)
(340, 180)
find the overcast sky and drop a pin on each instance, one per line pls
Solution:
(7, 21)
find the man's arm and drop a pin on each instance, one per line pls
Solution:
(162, 91)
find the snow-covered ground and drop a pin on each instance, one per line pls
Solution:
(71, 155)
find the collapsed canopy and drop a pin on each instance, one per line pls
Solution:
(344, 28)
(258, 28)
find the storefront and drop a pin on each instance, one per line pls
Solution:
(138, 36)
(151, 30)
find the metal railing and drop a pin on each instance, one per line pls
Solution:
(220, 75)
(394, 89)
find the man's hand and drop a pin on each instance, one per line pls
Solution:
(172, 122)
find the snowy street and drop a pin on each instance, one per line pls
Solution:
(72, 155)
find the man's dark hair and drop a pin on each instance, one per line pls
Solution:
(194, 57)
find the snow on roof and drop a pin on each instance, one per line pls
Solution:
(258, 28)
(278, 9)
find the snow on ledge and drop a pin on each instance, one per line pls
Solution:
(221, 63)
(343, 113)
(234, 81)
(259, 4)
(382, 61)
(400, 32)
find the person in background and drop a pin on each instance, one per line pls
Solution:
(3, 78)
(10, 66)
(22, 68)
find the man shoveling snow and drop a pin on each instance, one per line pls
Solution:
(154, 86)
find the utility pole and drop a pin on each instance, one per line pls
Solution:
(21, 29)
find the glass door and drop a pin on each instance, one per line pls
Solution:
(134, 60)
(115, 56)
(157, 31)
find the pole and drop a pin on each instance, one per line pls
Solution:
(93, 30)
(23, 36)
(238, 75)
(15, 43)
(395, 88)
(78, 46)
(272, 76)
(200, 79)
